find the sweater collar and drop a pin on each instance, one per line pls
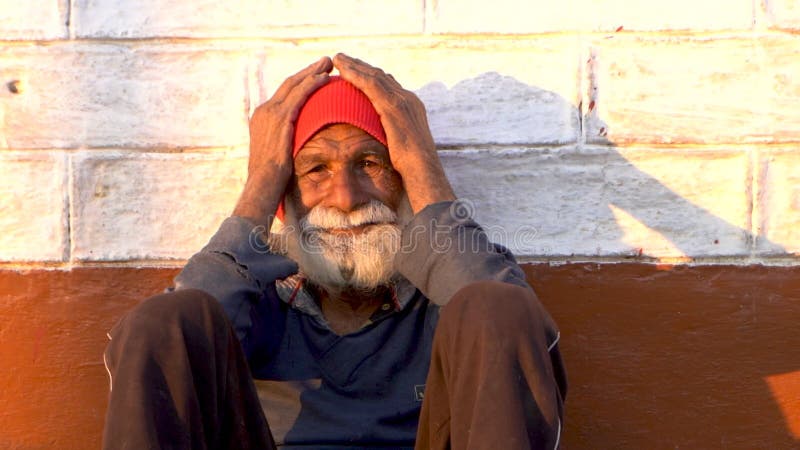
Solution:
(292, 290)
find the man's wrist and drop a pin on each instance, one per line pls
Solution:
(254, 213)
(425, 199)
(428, 187)
(259, 199)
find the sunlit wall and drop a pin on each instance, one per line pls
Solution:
(580, 130)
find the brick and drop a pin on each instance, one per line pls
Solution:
(693, 91)
(247, 18)
(475, 91)
(129, 206)
(33, 213)
(607, 202)
(33, 19)
(777, 206)
(538, 16)
(81, 95)
(783, 14)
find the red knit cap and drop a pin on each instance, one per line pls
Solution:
(337, 101)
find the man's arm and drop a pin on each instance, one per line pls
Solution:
(443, 249)
(271, 134)
(236, 265)
(432, 256)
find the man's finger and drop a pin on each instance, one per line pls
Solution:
(298, 96)
(322, 65)
(356, 67)
(372, 81)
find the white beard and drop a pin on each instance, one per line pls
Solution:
(343, 261)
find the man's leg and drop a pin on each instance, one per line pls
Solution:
(179, 379)
(496, 379)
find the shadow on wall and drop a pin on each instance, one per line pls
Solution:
(592, 200)
(588, 199)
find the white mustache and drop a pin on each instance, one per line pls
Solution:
(323, 218)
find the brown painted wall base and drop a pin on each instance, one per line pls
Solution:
(658, 357)
(683, 357)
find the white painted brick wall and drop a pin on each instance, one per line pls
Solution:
(33, 19)
(246, 18)
(130, 205)
(784, 13)
(584, 130)
(101, 95)
(665, 90)
(602, 201)
(536, 16)
(33, 200)
(778, 201)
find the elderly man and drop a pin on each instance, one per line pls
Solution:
(377, 313)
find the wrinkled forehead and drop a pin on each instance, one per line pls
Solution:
(340, 139)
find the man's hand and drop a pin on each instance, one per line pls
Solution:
(271, 134)
(411, 147)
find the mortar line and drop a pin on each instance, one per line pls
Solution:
(425, 18)
(242, 147)
(751, 190)
(738, 261)
(69, 199)
(583, 53)
(69, 24)
(411, 37)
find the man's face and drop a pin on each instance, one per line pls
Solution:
(345, 200)
(343, 167)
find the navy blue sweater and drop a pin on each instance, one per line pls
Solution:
(364, 389)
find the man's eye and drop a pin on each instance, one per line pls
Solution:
(318, 170)
(367, 164)
(316, 174)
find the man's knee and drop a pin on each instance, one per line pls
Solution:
(497, 305)
(164, 312)
(500, 314)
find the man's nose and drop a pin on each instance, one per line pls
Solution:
(345, 193)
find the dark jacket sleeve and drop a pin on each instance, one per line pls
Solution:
(235, 267)
(443, 250)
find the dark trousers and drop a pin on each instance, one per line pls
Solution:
(179, 378)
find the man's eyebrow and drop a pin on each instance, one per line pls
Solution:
(374, 147)
(317, 140)
(376, 150)
(313, 151)
(310, 156)
(314, 156)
